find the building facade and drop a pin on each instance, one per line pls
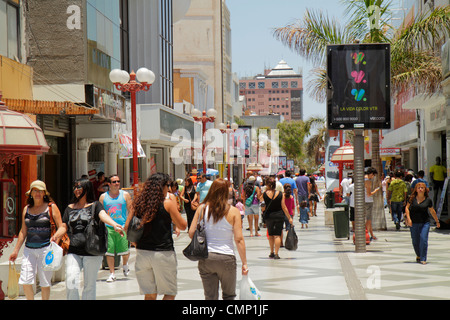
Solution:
(203, 42)
(278, 91)
(421, 122)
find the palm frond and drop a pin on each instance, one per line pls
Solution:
(426, 31)
(361, 14)
(317, 85)
(420, 70)
(309, 37)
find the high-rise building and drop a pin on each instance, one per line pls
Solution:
(278, 91)
(202, 42)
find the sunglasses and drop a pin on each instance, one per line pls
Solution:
(77, 187)
(116, 181)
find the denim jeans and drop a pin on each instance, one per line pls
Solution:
(397, 211)
(90, 265)
(419, 236)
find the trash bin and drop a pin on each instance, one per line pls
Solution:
(341, 221)
(329, 199)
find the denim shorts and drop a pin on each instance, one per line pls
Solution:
(253, 209)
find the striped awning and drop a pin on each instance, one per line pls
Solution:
(343, 154)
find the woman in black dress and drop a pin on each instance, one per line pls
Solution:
(274, 216)
(417, 217)
(188, 195)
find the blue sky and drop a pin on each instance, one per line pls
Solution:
(254, 46)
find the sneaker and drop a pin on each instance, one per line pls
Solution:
(111, 278)
(126, 270)
(272, 255)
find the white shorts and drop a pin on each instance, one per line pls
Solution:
(32, 264)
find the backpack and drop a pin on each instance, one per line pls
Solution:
(249, 200)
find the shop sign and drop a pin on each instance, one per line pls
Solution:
(390, 152)
(358, 94)
(126, 147)
(111, 106)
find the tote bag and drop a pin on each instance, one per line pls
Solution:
(13, 282)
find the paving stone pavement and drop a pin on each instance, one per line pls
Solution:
(323, 268)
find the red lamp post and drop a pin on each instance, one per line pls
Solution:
(127, 83)
(228, 129)
(204, 117)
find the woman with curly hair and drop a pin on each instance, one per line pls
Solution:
(156, 262)
(417, 217)
(222, 224)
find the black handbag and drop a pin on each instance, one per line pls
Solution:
(291, 242)
(198, 248)
(96, 235)
(135, 230)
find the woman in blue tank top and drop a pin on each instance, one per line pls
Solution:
(36, 234)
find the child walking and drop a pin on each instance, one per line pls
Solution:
(304, 214)
(241, 208)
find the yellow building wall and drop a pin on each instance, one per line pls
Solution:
(16, 79)
(16, 82)
(183, 88)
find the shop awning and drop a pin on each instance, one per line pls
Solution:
(344, 154)
(48, 107)
(19, 136)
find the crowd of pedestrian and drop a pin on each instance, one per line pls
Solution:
(159, 205)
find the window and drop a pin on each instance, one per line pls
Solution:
(9, 30)
(275, 85)
(251, 85)
(242, 85)
(285, 84)
(294, 84)
(261, 85)
(166, 59)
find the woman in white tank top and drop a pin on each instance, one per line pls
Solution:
(223, 226)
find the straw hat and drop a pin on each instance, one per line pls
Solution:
(38, 184)
(179, 181)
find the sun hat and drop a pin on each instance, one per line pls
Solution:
(38, 184)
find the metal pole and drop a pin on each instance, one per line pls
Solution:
(358, 176)
(134, 138)
(204, 142)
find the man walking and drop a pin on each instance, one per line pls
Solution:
(302, 182)
(396, 197)
(117, 204)
(203, 187)
(438, 173)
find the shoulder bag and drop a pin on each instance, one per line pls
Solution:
(96, 235)
(135, 230)
(198, 248)
(64, 242)
(194, 205)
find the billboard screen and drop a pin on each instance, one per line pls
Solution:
(358, 95)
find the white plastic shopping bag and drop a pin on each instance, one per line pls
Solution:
(53, 256)
(248, 290)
